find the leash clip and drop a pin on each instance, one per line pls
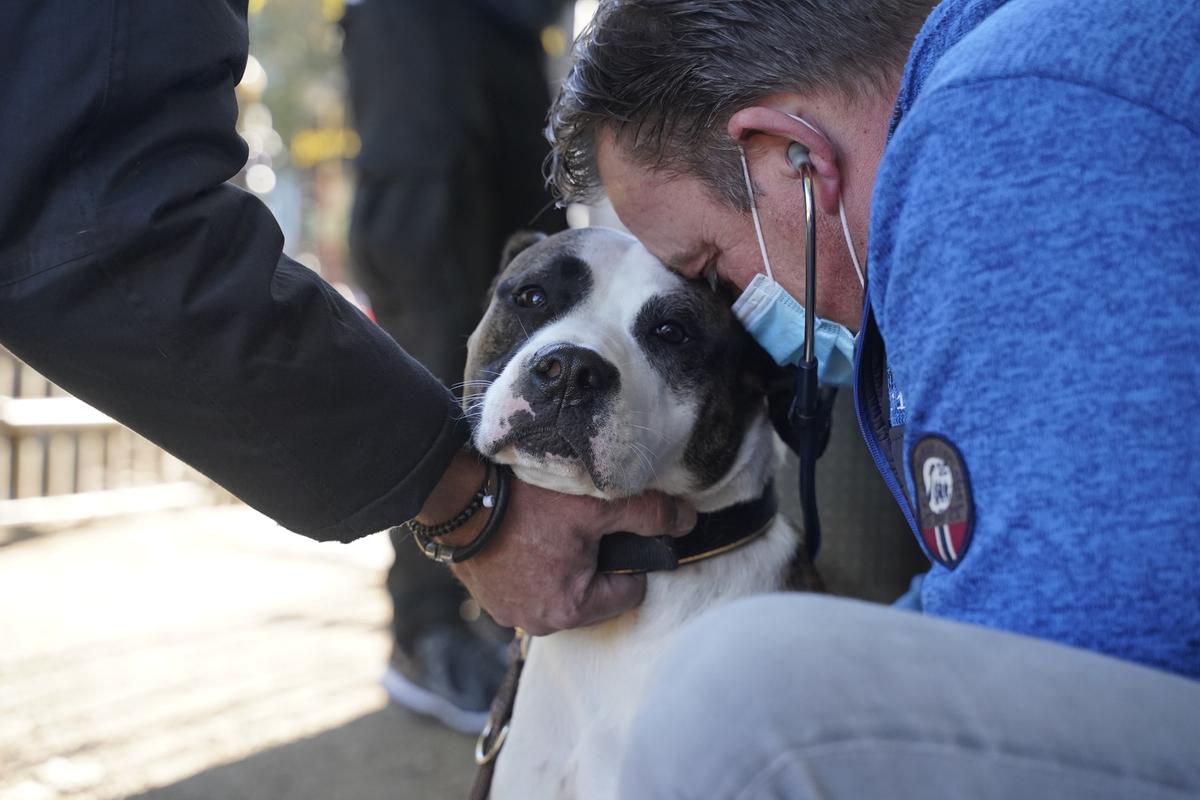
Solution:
(485, 750)
(488, 746)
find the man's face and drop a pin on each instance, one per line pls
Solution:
(684, 224)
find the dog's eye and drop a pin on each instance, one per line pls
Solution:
(671, 332)
(530, 297)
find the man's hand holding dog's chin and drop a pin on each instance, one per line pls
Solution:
(539, 572)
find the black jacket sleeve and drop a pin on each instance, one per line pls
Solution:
(136, 278)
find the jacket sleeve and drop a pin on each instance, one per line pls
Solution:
(134, 276)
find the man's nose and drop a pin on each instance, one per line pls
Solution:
(574, 374)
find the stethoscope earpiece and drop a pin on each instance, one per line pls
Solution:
(797, 155)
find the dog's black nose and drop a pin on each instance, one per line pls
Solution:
(575, 374)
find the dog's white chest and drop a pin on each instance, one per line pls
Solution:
(581, 689)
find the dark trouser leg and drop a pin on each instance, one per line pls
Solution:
(424, 594)
(451, 111)
(427, 286)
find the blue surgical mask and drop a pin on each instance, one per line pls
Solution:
(776, 319)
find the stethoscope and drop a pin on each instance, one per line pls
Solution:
(808, 416)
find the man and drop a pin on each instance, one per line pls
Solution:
(450, 107)
(1019, 181)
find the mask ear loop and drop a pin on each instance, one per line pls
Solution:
(762, 243)
(850, 243)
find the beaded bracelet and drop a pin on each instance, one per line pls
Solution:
(499, 507)
(474, 504)
(498, 502)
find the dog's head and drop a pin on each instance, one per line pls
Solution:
(598, 371)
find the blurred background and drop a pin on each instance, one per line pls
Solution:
(158, 639)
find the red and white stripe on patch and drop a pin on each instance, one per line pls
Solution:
(948, 541)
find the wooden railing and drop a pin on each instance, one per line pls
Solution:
(62, 460)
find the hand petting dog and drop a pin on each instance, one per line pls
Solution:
(539, 573)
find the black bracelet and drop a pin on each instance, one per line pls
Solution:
(446, 554)
(460, 519)
(499, 507)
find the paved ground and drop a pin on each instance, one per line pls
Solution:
(204, 655)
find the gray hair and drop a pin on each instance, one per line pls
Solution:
(665, 76)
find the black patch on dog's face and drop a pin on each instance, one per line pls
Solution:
(709, 364)
(549, 269)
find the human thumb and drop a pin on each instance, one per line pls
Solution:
(610, 595)
(654, 514)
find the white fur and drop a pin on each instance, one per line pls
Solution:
(581, 688)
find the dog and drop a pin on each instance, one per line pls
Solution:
(597, 371)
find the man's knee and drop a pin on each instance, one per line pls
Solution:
(736, 687)
(770, 647)
(792, 676)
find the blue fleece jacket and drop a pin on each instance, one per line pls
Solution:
(1034, 265)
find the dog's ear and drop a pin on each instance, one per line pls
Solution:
(516, 244)
(760, 375)
(519, 241)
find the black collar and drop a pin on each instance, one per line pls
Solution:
(714, 534)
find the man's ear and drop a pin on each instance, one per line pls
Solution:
(519, 241)
(778, 131)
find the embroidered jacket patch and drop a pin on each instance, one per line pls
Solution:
(945, 509)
